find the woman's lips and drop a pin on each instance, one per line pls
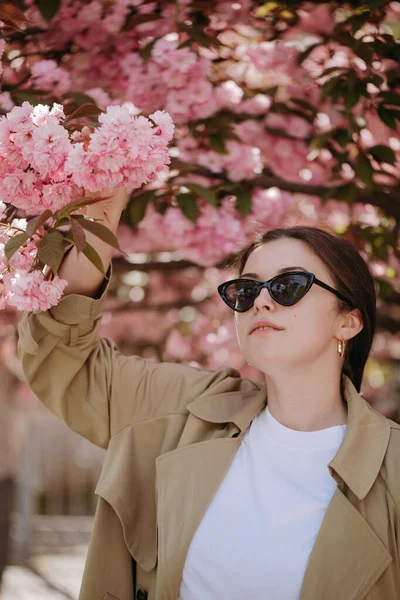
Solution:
(264, 331)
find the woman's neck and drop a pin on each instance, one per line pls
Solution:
(306, 403)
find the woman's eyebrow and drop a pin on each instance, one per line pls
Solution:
(283, 270)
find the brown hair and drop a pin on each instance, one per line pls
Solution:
(351, 276)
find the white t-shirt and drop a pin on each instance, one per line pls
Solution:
(257, 534)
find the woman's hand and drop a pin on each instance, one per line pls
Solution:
(109, 210)
(83, 278)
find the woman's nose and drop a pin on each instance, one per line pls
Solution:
(264, 300)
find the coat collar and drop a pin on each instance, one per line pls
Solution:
(361, 453)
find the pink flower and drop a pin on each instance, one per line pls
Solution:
(48, 76)
(42, 114)
(23, 188)
(100, 97)
(166, 127)
(51, 148)
(30, 291)
(125, 150)
(316, 19)
(56, 195)
(269, 208)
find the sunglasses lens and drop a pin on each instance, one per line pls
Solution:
(240, 294)
(289, 289)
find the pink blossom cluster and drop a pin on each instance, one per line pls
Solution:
(43, 166)
(48, 76)
(34, 147)
(30, 291)
(285, 156)
(21, 286)
(241, 161)
(126, 150)
(173, 78)
(218, 232)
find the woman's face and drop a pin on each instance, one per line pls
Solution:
(310, 328)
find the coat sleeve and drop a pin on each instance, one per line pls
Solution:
(96, 390)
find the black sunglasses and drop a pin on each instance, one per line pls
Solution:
(286, 289)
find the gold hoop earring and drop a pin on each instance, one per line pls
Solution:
(340, 348)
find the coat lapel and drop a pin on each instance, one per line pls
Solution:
(347, 558)
(189, 477)
(187, 480)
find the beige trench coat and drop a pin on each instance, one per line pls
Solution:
(172, 432)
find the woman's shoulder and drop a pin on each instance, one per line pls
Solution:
(391, 464)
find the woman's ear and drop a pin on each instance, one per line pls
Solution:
(351, 323)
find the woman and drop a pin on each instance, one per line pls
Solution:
(208, 491)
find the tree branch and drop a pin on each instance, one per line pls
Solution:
(387, 201)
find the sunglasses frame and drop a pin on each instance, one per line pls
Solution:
(268, 284)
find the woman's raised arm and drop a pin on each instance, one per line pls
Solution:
(83, 278)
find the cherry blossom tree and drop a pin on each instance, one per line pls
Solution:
(284, 113)
(224, 119)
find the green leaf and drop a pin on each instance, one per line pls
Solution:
(342, 136)
(375, 79)
(29, 96)
(329, 86)
(306, 105)
(380, 249)
(85, 110)
(92, 255)
(358, 20)
(385, 289)
(227, 187)
(14, 243)
(140, 19)
(137, 207)
(78, 234)
(78, 203)
(387, 117)
(198, 35)
(364, 170)
(284, 109)
(48, 8)
(365, 50)
(100, 231)
(347, 192)
(51, 250)
(390, 97)
(79, 98)
(202, 192)
(147, 50)
(306, 53)
(373, 4)
(243, 202)
(188, 206)
(217, 143)
(353, 94)
(321, 140)
(330, 70)
(382, 153)
(263, 10)
(37, 222)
